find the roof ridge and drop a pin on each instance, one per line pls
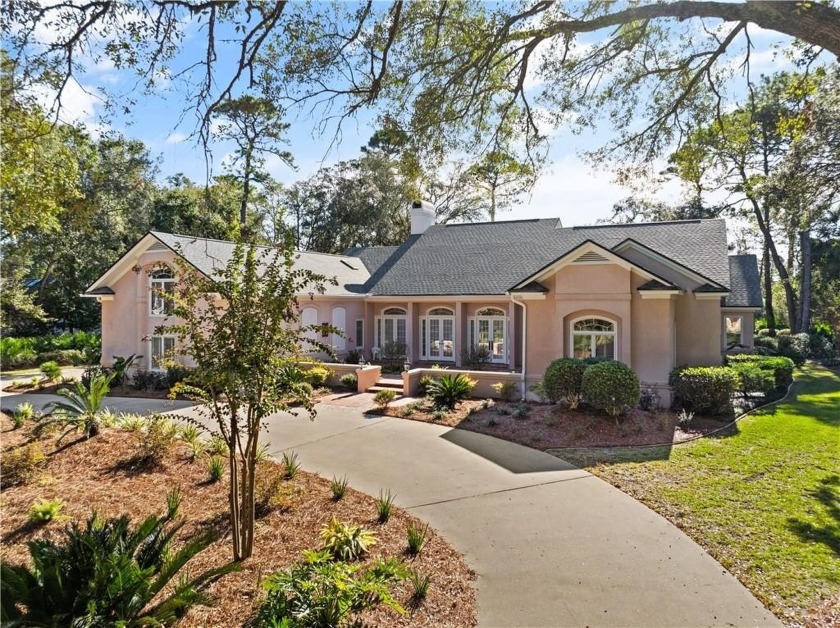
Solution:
(259, 246)
(655, 223)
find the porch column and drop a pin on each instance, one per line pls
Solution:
(459, 341)
(510, 336)
(410, 340)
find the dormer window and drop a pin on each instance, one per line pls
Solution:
(161, 289)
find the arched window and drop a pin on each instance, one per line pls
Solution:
(593, 338)
(308, 317)
(437, 334)
(161, 289)
(339, 316)
(441, 311)
(488, 331)
(391, 330)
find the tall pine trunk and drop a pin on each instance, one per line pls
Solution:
(767, 271)
(805, 296)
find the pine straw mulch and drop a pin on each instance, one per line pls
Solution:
(94, 474)
(548, 426)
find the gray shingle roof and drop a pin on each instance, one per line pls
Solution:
(209, 255)
(744, 283)
(491, 258)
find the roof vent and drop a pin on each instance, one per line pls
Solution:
(422, 216)
(591, 258)
(348, 264)
(158, 246)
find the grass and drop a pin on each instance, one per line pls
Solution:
(765, 501)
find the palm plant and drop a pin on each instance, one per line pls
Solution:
(105, 573)
(449, 390)
(82, 408)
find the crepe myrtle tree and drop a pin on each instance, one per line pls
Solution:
(241, 327)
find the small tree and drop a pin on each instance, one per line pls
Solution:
(241, 326)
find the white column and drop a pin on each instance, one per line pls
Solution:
(410, 340)
(459, 341)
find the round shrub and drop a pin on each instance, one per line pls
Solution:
(611, 386)
(704, 389)
(754, 379)
(349, 381)
(563, 379)
(51, 370)
(794, 347)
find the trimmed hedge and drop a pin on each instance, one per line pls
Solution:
(753, 378)
(780, 366)
(704, 389)
(563, 379)
(611, 386)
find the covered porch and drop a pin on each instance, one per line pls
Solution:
(445, 332)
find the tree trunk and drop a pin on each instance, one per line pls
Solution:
(766, 270)
(764, 227)
(233, 490)
(246, 191)
(805, 300)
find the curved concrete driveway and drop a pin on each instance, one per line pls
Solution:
(552, 544)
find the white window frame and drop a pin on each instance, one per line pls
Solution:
(425, 326)
(592, 334)
(380, 326)
(725, 330)
(163, 338)
(472, 329)
(360, 333)
(158, 285)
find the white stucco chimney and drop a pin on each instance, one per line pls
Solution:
(422, 216)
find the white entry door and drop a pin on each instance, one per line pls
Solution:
(490, 333)
(438, 337)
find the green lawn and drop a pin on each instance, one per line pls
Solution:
(764, 502)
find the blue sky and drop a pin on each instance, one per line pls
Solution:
(570, 188)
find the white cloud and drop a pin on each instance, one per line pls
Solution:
(578, 194)
(176, 138)
(77, 103)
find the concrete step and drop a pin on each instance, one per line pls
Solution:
(379, 387)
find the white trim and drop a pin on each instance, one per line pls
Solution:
(151, 361)
(124, 264)
(425, 328)
(710, 296)
(613, 333)
(724, 341)
(151, 300)
(658, 294)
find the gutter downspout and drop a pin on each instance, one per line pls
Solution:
(524, 340)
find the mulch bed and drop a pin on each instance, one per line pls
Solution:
(548, 426)
(94, 474)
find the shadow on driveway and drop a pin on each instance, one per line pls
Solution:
(514, 458)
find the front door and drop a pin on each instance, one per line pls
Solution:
(491, 335)
(439, 337)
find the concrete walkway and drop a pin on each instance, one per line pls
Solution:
(552, 544)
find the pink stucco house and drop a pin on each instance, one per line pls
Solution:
(653, 295)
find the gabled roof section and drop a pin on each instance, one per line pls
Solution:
(744, 282)
(708, 258)
(207, 256)
(587, 252)
(489, 258)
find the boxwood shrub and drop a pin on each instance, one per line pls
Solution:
(780, 366)
(611, 386)
(704, 389)
(563, 380)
